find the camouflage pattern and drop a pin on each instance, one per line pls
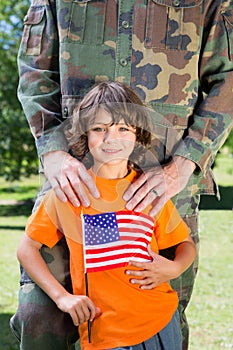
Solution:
(185, 283)
(173, 53)
(38, 323)
(176, 54)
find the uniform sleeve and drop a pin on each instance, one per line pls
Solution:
(212, 120)
(170, 229)
(39, 86)
(42, 225)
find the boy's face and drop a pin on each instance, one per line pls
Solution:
(110, 144)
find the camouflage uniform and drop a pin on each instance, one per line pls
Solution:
(176, 54)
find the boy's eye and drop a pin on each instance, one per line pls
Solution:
(119, 128)
(123, 128)
(127, 129)
(98, 129)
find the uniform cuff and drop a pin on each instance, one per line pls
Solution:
(196, 151)
(54, 141)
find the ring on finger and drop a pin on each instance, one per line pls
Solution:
(155, 192)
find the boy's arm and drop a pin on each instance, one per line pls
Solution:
(184, 256)
(80, 307)
(161, 270)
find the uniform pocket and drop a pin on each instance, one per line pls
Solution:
(34, 24)
(167, 134)
(173, 25)
(228, 21)
(87, 21)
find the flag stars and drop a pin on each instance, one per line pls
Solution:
(101, 229)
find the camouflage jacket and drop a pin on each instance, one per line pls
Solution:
(176, 54)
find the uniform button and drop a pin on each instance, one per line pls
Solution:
(175, 120)
(125, 24)
(147, 40)
(123, 62)
(176, 3)
(65, 112)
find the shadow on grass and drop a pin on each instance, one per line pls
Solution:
(18, 189)
(7, 340)
(8, 227)
(22, 208)
(225, 203)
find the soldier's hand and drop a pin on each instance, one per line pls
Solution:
(158, 185)
(67, 176)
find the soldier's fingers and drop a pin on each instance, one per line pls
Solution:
(57, 189)
(134, 187)
(158, 204)
(88, 181)
(146, 189)
(65, 186)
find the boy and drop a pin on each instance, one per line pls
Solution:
(113, 251)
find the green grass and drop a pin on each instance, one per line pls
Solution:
(211, 308)
(223, 169)
(19, 190)
(9, 271)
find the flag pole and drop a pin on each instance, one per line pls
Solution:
(85, 272)
(88, 322)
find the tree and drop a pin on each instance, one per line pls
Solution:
(17, 149)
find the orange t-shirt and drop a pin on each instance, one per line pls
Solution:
(129, 315)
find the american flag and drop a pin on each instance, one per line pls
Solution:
(112, 239)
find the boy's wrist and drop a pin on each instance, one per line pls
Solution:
(57, 294)
(177, 269)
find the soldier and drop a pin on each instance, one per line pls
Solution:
(178, 56)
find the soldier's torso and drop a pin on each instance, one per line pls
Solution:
(151, 45)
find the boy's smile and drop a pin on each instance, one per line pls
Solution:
(110, 145)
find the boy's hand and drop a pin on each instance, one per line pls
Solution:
(152, 274)
(80, 308)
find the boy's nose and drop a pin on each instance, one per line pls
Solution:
(111, 134)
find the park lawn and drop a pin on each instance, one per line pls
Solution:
(9, 272)
(21, 189)
(223, 169)
(211, 308)
(210, 311)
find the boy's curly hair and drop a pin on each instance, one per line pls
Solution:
(121, 102)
